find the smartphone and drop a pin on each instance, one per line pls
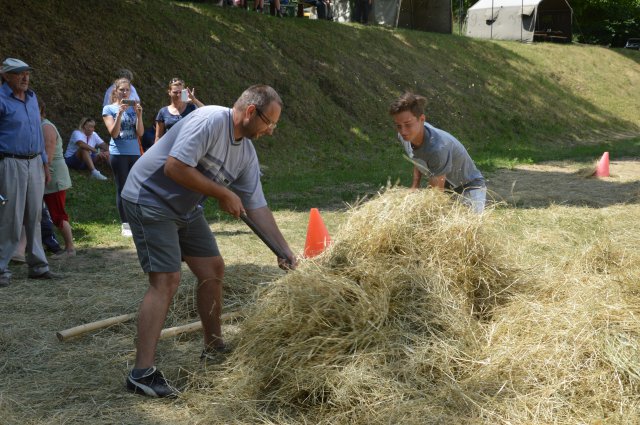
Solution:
(184, 95)
(129, 102)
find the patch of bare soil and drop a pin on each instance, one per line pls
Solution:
(566, 183)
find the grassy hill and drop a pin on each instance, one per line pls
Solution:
(506, 101)
(402, 343)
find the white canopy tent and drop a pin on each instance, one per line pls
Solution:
(523, 20)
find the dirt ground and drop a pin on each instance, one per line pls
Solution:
(565, 183)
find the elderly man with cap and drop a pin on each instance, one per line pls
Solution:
(23, 171)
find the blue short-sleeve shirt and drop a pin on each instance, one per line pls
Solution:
(127, 141)
(20, 124)
(444, 155)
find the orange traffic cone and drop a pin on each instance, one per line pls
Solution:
(317, 236)
(602, 169)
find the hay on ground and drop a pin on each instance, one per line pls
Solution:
(415, 316)
(388, 313)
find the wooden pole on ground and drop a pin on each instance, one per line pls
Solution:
(176, 330)
(195, 326)
(88, 327)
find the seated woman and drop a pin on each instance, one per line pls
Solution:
(82, 150)
(177, 109)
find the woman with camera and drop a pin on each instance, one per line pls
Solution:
(123, 119)
(183, 102)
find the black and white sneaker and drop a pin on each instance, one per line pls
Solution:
(152, 384)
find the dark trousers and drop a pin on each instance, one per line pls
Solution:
(361, 12)
(121, 165)
(148, 138)
(323, 11)
(48, 235)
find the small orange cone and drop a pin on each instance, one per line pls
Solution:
(602, 169)
(317, 236)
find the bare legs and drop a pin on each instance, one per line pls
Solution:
(65, 229)
(155, 305)
(85, 156)
(153, 311)
(210, 273)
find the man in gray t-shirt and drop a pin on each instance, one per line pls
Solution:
(436, 153)
(208, 153)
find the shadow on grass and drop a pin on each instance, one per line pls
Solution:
(633, 55)
(543, 185)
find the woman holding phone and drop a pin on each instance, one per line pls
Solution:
(183, 102)
(123, 119)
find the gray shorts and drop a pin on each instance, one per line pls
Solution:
(162, 237)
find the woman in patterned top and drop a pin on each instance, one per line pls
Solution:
(177, 109)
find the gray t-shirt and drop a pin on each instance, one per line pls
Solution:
(204, 140)
(444, 155)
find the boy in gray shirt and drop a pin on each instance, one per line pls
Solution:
(436, 153)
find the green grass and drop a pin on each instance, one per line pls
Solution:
(509, 103)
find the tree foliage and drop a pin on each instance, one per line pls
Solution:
(608, 22)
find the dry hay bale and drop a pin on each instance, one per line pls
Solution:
(565, 358)
(427, 235)
(387, 314)
(565, 348)
(385, 328)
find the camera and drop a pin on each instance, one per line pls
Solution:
(129, 102)
(3, 200)
(184, 95)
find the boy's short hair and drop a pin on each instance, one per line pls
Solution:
(411, 102)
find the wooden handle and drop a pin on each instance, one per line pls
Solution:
(192, 327)
(88, 327)
(268, 242)
(176, 330)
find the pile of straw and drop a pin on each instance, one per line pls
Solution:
(415, 316)
(378, 317)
